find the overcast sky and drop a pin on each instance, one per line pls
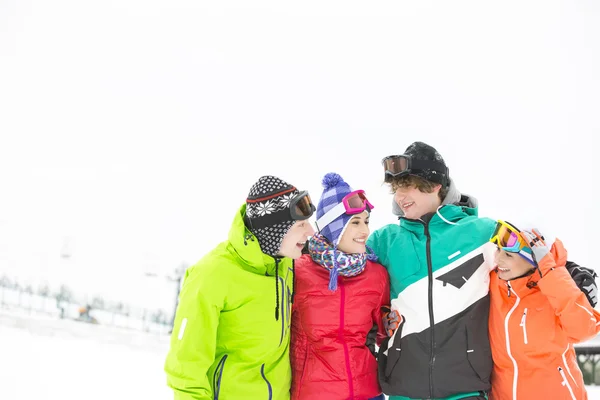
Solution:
(131, 131)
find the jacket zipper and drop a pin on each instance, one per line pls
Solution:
(523, 321)
(430, 303)
(565, 382)
(343, 341)
(283, 309)
(217, 381)
(506, 334)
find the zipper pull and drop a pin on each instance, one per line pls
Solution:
(508, 285)
(523, 320)
(524, 317)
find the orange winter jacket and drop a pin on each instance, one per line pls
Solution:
(533, 324)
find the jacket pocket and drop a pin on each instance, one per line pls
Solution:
(565, 382)
(479, 353)
(386, 363)
(218, 374)
(269, 387)
(523, 325)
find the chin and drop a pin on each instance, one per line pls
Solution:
(295, 254)
(411, 215)
(506, 277)
(357, 249)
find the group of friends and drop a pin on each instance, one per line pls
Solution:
(443, 304)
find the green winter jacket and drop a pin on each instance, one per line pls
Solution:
(226, 342)
(439, 277)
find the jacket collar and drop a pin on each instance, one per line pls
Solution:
(246, 247)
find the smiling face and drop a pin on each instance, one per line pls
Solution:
(416, 203)
(510, 265)
(295, 238)
(355, 235)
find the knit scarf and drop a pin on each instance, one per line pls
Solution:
(335, 261)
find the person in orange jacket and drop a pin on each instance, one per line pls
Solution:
(537, 313)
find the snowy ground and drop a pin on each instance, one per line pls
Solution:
(46, 358)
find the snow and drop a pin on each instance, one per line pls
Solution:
(44, 357)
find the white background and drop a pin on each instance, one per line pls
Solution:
(131, 131)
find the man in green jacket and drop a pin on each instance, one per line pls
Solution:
(232, 327)
(439, 258)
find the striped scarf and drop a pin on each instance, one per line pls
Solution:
(335, 261)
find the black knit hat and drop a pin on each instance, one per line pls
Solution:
(268, 212)
(425, 152)
(269, 218)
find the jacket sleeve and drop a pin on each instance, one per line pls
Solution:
(384, 300)
(374, 242)
(193, 341)
(489, 250)
(577, 318)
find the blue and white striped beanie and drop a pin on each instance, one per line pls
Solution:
(334, 191)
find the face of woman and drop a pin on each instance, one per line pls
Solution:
(355, 235)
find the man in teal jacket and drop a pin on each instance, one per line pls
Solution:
(439, 258)
(232, 327)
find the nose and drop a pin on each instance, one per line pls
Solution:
(399, 196)
(310, 230)
(498, 257)
(364, 228)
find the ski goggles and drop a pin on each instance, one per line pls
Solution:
(508, 238)
(353, 203)
(301, 206)
(400, 165)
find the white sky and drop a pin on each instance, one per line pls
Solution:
(135, 128)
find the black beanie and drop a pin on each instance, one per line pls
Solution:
(268, 212)
(423, 151)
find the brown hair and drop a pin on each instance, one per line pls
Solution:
(424, 186)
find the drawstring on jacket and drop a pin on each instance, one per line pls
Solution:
(277, 259)
(442, 217)
(293, 281)
(250, 236)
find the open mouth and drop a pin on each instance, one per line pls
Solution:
(406, 206)
(361, 241)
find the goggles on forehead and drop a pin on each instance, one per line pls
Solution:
(300, 208)
(400, 165)
(353, 203)
(508, 238)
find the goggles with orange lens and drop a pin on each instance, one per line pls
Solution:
(508, 238)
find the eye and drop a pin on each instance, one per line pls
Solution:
(367, 222)
(302, 224)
